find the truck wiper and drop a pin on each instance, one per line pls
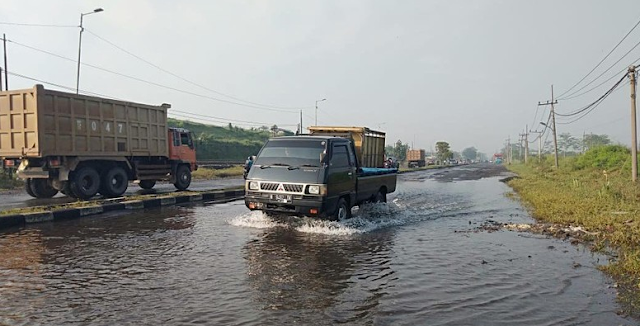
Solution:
(274, 164)
(302, 166)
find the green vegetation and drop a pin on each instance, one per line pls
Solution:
(227, 143)
(8, 180)
(594, 191)
(206, 174)
(398, 150)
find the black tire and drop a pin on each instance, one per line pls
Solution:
(183, 177)
(343, 211)
(27, 188)
(85, 183)
(114, 182)
(66, 189)
(381, 197)
(42, 189)
(147, 184)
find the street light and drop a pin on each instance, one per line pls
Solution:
(97, 10)
(324, 99)
(544, 124)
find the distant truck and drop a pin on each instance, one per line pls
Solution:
(83, 145)
(416, 158)
(322, 174)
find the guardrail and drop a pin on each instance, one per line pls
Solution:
(219, 163)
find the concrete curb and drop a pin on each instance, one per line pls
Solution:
(17, 220)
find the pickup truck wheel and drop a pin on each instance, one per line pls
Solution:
(381, 197)
(27, 188)
(85, 183)
(183, 177)
(147, 184)
(42, 189)
(114, 182)
(343, 211)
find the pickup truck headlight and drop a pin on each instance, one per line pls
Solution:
(317, 190)
(253, 185)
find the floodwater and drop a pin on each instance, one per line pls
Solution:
(416, 260)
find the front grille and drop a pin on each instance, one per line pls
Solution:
(268, 186)
(288, 187)
(292, 188)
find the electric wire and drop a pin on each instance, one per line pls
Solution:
(38, 25)
(221, 119)
(185, 79)
(610, 67)
(590, 109)
(594, 103)
(147, 81)
(602, 83)
(603, 59)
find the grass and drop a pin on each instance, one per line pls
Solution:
(206, 174)
(597, 195)
(8, 181)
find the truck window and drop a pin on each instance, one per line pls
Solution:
(176, 138)
(292, 152)
(339, 158)
(184, 139)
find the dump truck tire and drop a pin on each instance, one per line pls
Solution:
(27, 188)
(114, 182)
(85, 183)
(183, 177)
(147, 184)
(42, 189)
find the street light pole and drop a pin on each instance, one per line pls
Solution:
(324, 99)
(80, 45)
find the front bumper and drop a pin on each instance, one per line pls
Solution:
(312, 206)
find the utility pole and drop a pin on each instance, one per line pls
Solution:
(539, 143)
(301, 122)
(553, 129)
(526, 143)
(6, 74)
(634, 134)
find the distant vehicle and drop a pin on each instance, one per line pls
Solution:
(320, 175)
(452, 162)
(416, 158)
(83, 145)
(391, 163)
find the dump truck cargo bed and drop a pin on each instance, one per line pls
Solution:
(38, 122)
(369, 144)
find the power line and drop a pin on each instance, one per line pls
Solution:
(594, 105)
(184, 79)
(601, 98)
(219, 118)
(37, 25)
(150, 82)
(601, 61)
(591, 82)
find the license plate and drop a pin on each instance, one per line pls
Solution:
(282, 198)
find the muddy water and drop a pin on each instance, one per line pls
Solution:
(413, 261)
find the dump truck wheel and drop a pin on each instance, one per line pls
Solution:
(114, 182)
(183, 177)
(66, 189)
(85, 183)
(147, 184)
(27, 188)
(42, 189)
(381, 197)
(343, 211)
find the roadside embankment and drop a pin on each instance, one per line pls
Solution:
(38, 214)
(601, 201)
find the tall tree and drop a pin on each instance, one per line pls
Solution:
(444, 153)
(566, 142)
(401, 150)
(470, 153)
(593, 140)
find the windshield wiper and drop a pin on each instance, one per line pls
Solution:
(274, 164)
(302, 166)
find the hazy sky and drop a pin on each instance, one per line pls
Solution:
(467, 72)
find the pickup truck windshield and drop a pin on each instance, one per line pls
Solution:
(292, 153)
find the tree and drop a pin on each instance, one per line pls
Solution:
(443, 152)
(470, 153)
(566, 142)
(592, 141)
(400, 150)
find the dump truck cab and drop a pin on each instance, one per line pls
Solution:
(181, 147)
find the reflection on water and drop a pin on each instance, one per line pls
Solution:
(412, 261)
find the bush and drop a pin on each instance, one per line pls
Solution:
(610, 157)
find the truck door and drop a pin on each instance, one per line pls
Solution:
(342, 176)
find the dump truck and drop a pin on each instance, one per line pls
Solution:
(416, 158)
(83, 145)
(321, 175)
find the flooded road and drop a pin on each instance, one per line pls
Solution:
(413, 261)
